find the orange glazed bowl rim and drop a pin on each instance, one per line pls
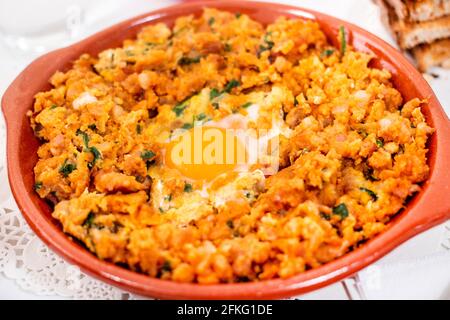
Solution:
(429, 207)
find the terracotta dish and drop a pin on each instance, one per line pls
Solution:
(428, 208)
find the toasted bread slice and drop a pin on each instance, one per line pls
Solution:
(411, 34)
(420, 10)
(433, 54)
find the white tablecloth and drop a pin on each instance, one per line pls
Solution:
(420, 268)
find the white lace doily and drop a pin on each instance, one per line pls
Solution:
(34, 267)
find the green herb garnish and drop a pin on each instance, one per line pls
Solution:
(211, 21)
(184, 61)
(96, 154)
(341, 210)
(38, 185)
(138, 129)
(325, 216)
(147, 155)
(268, 44)
(327, 52)
(53, 106)
(89, 221)
(379, 142)
(201, 116)
(187, 126)
(230, 85)
(343, 37)
(372, 194)
(227, 47)
(214, 93)
(238, 15)
(166, 267)
(84, 136)
(188, 187)
(178, 109)
(246, 105)
(67, 168)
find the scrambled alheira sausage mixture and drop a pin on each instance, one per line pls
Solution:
(351, 150)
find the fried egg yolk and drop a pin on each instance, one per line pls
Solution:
(204, 153)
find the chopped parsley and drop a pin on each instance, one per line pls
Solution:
(147, 155)
(166, 267)
(341, 210)
(372, 194)
(188, 187)
(187, 126)
(214, 93)
(230, 85)
(238, 15)
(227, 47)
(184, 61)
(67, 168)
(138, 129)
(327, 52)
(38, 185)
(246, 105)
(96, 154)
(201, 117)
(53, 106)
(325, 216)
(85, 137)
(343, 37)
(89, 221)
(268, 44)
(179, 108)
(211, 21)
(379, 142)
